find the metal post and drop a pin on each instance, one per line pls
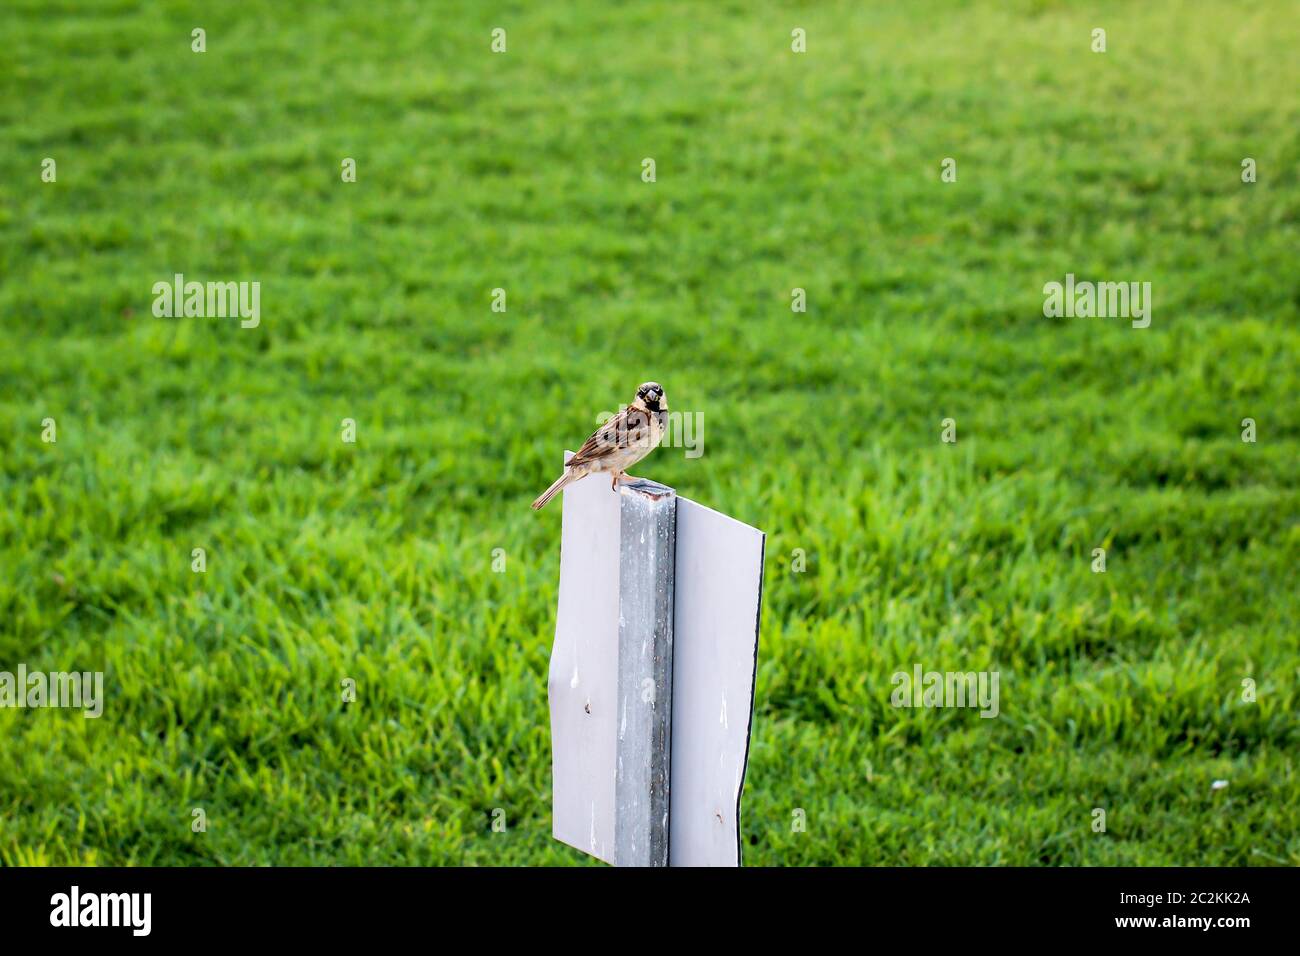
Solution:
(647, 555)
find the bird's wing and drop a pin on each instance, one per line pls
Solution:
(626, 429)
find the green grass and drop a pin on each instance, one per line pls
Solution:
(373, 560)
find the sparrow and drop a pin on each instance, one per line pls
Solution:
(618, 444)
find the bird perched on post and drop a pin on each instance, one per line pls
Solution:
(618, 444)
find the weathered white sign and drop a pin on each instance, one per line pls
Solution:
(658, 618)
(715, 654)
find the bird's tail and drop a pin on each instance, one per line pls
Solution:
(554, 490)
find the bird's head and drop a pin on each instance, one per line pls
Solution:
(651, 396)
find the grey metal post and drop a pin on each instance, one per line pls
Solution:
(647, 556)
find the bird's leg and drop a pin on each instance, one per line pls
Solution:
(613, 480)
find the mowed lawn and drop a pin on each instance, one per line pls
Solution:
(373, 561)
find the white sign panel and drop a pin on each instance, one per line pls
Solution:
(715, 653)
(584, 670)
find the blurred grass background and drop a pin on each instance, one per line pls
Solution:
(522, 171)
